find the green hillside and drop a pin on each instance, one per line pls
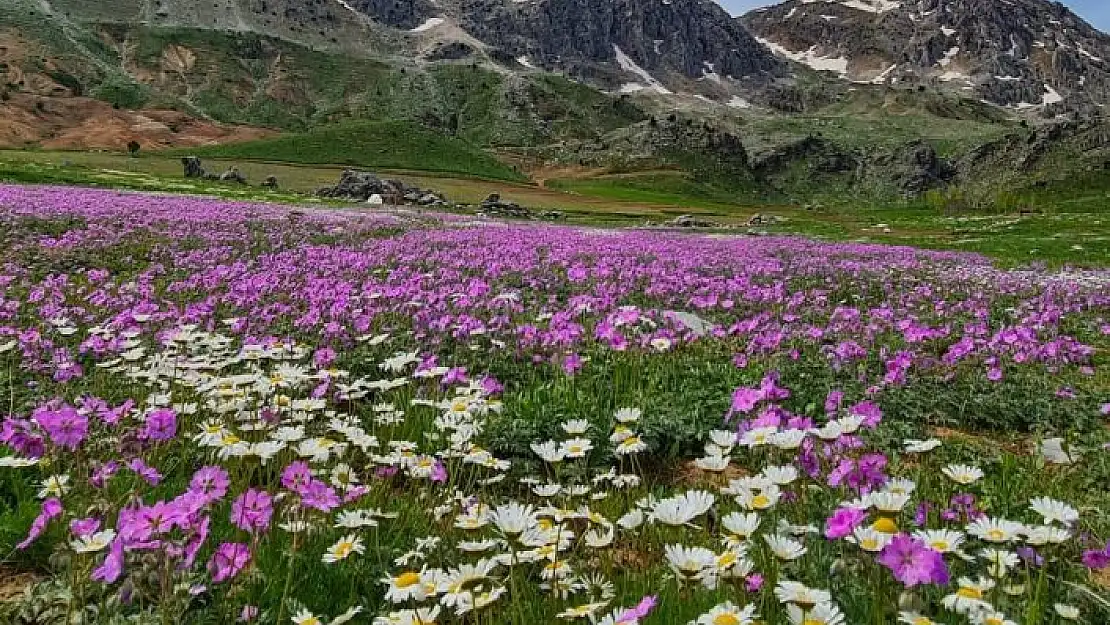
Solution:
(383, 145)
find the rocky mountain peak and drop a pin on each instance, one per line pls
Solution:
(1023, 54)
(628, 45)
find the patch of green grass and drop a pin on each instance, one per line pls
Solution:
(877, 129)
(677, 188)
(396, 145)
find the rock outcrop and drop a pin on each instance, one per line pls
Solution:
(361, 186)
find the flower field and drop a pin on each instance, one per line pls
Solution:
(223, 412)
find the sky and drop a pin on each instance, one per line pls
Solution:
(1097, 12)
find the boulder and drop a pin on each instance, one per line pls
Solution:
(233, 175)
(759, 219)
(362, 186)
(689, 221)
(192, 166)
(270, 183)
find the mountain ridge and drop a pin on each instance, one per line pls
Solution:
(1022, 54)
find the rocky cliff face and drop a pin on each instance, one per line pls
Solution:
(661, 45)
(649, 44)
(1017, 53)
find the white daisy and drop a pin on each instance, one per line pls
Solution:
(727, 613)
(343, 548)
(682, 509)
(962, 473)
(1054, 511)
(784, 547)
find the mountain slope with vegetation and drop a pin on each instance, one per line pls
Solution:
(370, 144)
(506, 94)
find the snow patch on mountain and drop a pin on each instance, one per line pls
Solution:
(837, 64)
(627, 64)
(428, 24)
(871, 6)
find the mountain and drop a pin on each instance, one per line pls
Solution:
(1022, 54)
(911, 97)
(662, 45)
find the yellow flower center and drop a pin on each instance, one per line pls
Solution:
(993, 620)
(996, 534)
(726, 619)
(342, 550)
(939, 545)
(922, 620)
(886, 525)
(869, 544)
(761, 501)
(970, 593)
(813, 621)
(406, 580)
(726, 560)
(458, 406)
(230, 439)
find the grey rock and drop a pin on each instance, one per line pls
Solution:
(695, 324)
(689, 221)
(271, 182)
(362, 185)
(454, 51)
(759, 219)
(494, 206)
(233, 175)
(192, 167)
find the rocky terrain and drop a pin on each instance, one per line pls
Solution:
(1024, 54)
(690, 45)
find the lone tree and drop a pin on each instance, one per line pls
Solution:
(133, 148)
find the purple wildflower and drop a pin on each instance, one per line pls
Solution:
(252, 510)
(843, 522)
(51, 509)
(160, 425)
(65, 426)
(229, 559)
(913, 562)
(210, 483)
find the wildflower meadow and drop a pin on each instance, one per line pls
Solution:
(219, 412)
